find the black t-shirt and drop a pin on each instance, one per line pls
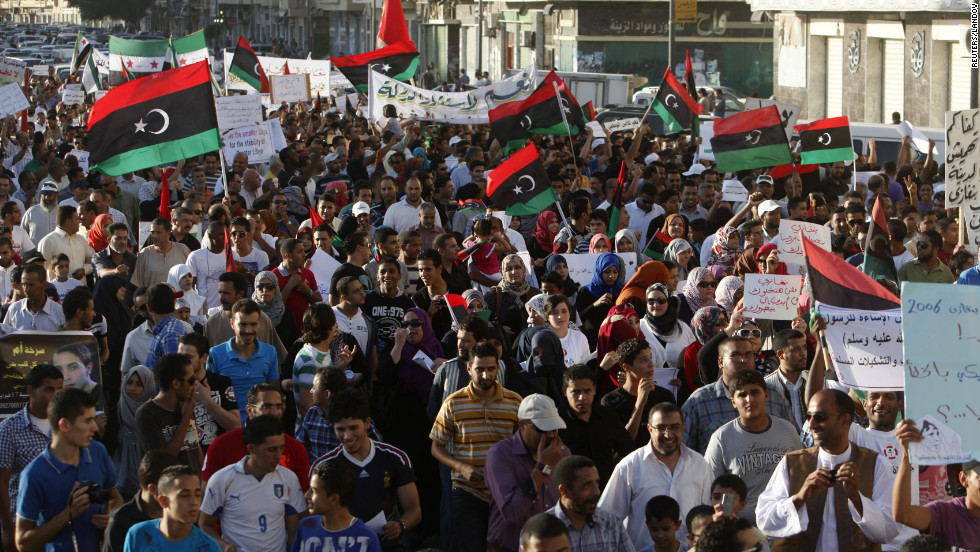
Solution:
(223, 393)
(457, 278)
(388, 313)
(348, 269)
(356, 170)
(128, 515)
(622, 403)
(156, 425)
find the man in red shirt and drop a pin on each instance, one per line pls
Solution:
(229, 447)
(298, 285)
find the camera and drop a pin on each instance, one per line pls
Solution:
(96, 494)
(833, 475)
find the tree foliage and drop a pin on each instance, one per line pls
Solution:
(130, 11)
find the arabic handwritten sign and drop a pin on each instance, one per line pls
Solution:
(470, 107)
(789, 246)
(12, 70)
(318, 70)
(581, 266)
(865, 347)
(962, 157)
(21, 351)
(622, 125)
(972, 217)
(289, 88)
(732, 190)
(942, 344)
(772, 296)
(12, 100)
(73, 95)
(238, 111)
(39, 70)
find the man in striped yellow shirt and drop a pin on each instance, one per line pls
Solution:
(469, 422)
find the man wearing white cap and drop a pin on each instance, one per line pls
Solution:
(518, 471)
(362, 212)
(770, 212)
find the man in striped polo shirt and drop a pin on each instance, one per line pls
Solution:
(471, 421)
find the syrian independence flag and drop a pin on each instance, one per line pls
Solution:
(190, 49)
(878, 261)
(397, 61)
(826, 141)
(82, 49)
(138, 57)
(616, 203)
(674, 105)
(750, 140)
(520, 185)
(539, 113)
(245, 65)
(834, 282)
(91, 77)
(154, 120)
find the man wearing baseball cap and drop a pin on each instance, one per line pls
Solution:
(518, 471)
(770, 212)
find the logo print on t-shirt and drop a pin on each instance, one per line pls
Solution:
(278, 490)
(891, 452)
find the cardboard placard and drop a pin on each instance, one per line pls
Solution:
(238, 111)
(290, 88)
(622, 125)
(732, 190)
(12, 100)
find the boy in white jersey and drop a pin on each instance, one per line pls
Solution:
(257, 500)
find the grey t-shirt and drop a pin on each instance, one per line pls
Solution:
(753, 456)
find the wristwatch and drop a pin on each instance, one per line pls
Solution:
(543, 468)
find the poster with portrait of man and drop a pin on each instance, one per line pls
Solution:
(76, 354)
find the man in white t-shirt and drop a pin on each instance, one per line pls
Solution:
(257, 500)
(252, 258)
(207, 265)
(350, 318)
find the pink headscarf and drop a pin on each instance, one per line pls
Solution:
(596, 238)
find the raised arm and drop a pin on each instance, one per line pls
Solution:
(916, 517)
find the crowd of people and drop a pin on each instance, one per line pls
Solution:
(449, 383)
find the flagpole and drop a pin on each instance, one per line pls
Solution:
(568, 129)
(644, 118)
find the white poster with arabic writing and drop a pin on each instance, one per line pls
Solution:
(962, 157)
(865, 347)
(319, 71)
(470, 107)
(788, 243)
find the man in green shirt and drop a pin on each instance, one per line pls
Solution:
(927, 267)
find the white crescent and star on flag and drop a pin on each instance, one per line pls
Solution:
(518, 190)
(141, 126)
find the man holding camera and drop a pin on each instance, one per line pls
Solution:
(60, 502)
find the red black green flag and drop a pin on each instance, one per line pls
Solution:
(588, 111)
(397, 61)
(539, 113)
(520, 185)
(674, 105)
(691, 90)
(834, 282)
(245, 65)
(616, 203)
(782, 171)
(749, 140)
(465, 254)
(878, 261)
(158, 119)
(825, 141)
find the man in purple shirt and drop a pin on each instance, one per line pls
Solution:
(518, 471)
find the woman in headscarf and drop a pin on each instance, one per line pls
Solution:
(698, 292)
(729, 292)
(411, 375)
(626, 243)
(506, 300)
(649, 273)
(718, 272)
(675, 226)
(545, 230)
(668, 336)
(680, 252)
(420, 159)
(97, 237)
(535, 310)
(707, 322)
(180, 278)
(271, 224)
(540, 350)
(621, 324)
(594, 299)
(747, 263)
(108, 299)
(136, 391)
(768, 260)
(305, 236)
(558, 311)
(475, 302)
(600, 244)
(557, 263)
(269, 298)
(726, 249)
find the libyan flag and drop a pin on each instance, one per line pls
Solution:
(139, 57)
(245, 65)
(539, 113)
(825, 141)
(520, 185)
(750, 140)
(674, 105)
(834, 282)
(878, 261)
(154, 120)
(397, 61)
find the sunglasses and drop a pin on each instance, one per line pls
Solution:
(656, 301)
(855, 222)
(279, 202)
(265, 286)
(704, 285)
(746, 332)
(239, 234)
(818, 416)
(922, 245)
(411, 323)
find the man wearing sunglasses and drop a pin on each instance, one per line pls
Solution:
(164, 422)
(833, 496)
(926, 267)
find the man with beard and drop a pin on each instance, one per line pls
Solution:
(788, 383)
(41, 219)
(664, 467)
(387, 305)
(116, 258)
(452, 375)
(404, 214)
(926, 267)
(594, 529)
(770, 212)
(11, 213)
(833, 496)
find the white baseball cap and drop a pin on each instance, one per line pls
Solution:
(768, 205)
(541, 411)
(651, 158)
(361, 208)
(696, 169)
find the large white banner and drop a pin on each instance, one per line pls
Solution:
(319, 71)
(470, 107)
(865, 347)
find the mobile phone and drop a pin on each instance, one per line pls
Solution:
(727, 503)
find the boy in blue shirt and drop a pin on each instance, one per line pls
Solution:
(332, 488)
(180, 498)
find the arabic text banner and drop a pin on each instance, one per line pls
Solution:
(865, 347)
(471, 107)
(319, 71)
(941, 330)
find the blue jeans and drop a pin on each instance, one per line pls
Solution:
(471, 517)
